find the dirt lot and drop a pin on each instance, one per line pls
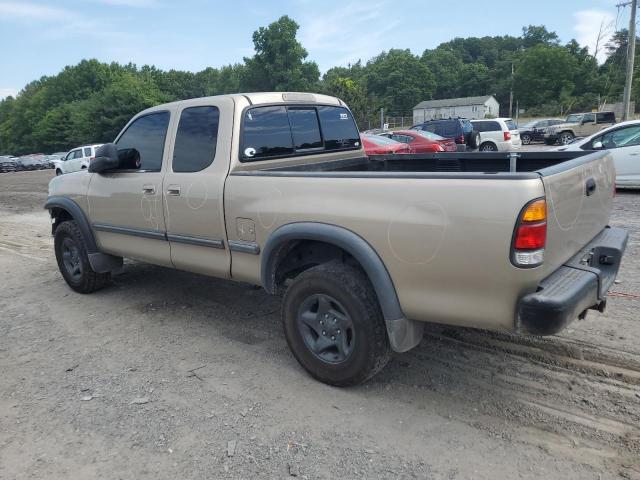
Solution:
(167, 374)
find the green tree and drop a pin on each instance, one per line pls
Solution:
(399, 79)
(279, 62)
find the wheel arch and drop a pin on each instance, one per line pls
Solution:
(62, 209)
(404, 334)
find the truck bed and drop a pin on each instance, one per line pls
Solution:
(441, 163)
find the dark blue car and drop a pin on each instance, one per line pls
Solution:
(534, 130)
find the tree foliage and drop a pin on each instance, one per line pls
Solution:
(91, 101)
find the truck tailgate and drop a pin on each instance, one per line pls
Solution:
(579, 198)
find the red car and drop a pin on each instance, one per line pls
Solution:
(422, 141)
(379, 145)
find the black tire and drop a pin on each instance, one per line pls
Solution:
(474, 139)
(488, 147)
(353, 302)
(565, 138)
(58, 172)
(526, 139)
(550, 142)
(73, 262)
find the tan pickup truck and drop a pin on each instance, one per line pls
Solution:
(578, 125)
(274, 189)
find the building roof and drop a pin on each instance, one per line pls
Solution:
(453, 102)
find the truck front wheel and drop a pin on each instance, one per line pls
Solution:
(334, 325)
(73, 261)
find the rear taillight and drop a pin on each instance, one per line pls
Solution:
(530, 235)
(439, 148)
(507, 136)
(91, 159)
(460, 139)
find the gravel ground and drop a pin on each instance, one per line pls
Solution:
(167, 374)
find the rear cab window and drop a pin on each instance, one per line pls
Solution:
(278, 131)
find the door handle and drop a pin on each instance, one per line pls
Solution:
(173, 190)
(148, 189)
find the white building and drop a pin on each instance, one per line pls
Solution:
(468, 107)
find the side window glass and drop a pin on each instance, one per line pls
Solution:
(494, 127)
(196, 138)
(338, 128)
(147, 135)
(305, 128)
(87, 152)
(266, 133)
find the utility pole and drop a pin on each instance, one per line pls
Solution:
(631, 53)
(511, 94)
(382, 119)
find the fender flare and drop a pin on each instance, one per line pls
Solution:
(100, 262)
(404, 334)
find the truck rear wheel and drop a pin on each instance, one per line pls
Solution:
(334, 326)
(73, 261)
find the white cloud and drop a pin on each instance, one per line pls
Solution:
(5, 92)
(32, 11)
(360, 31)
(594, 27)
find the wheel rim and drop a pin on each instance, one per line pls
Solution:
(71, 259)
(565, 138)
(525, 139)
(487, 148)
(326, 328)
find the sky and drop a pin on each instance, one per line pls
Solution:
(40, 37)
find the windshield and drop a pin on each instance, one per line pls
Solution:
(530, 124)
(575, 118)
(430, 135)
(378, 140)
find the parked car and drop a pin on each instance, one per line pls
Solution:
(274, 189)
(77, 159)
(8, 164)
(578, 125)
(497, 135)
(534, 130)
(623, 142)
(33, 162)
(378, 145)
(459, 129)
(422, 141)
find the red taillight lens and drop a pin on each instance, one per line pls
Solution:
(460, 139)
(507, 136)
(531, 236)
(438, 148)
(91, 159)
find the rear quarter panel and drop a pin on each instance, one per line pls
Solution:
(445, 242)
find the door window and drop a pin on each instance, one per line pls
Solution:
(147, 135)
(74, 154)
(196, 139)
(622, 137)
(87, 151)
(589, 118)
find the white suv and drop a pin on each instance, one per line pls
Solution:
(76, 159)
(497, 134)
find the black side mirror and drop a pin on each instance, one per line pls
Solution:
(108, 157)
